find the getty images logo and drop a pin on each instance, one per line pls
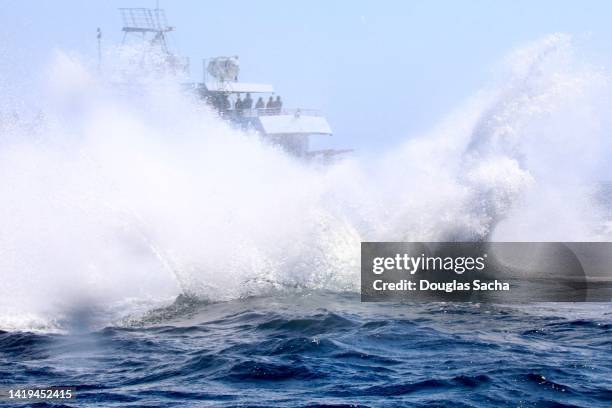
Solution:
(412, 264)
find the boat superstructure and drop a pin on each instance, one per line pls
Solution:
(221, 89)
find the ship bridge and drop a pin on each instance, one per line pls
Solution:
(290, 129)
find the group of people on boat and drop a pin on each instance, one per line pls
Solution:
(222, 103)
(272, 107)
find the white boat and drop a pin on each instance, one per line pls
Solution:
(290, 129)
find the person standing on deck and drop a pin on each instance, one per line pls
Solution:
(239, 105)
(278, 105)
(270, 106)
(248, 102)
(260, 105)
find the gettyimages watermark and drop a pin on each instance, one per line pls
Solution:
(501, 272)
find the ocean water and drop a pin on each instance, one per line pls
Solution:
(152, 255)
(328, 349)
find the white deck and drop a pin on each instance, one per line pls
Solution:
(294, 124)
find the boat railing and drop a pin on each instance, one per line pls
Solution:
(251, 113)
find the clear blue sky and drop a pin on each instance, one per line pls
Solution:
(381, 70)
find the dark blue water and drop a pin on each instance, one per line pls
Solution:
(319, 349)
